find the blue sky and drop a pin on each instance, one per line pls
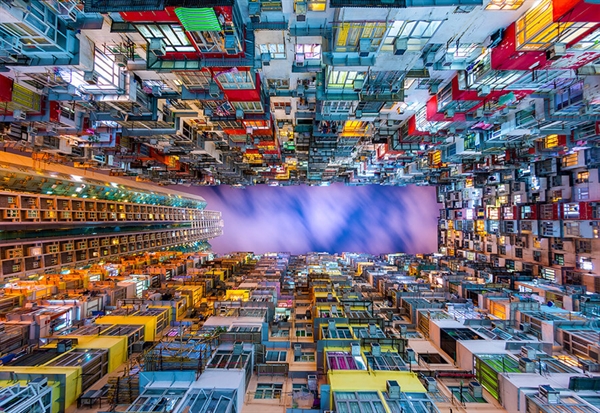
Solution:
(372, 219)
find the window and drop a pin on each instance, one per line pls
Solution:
(11, 213)
(280, 333)
(548, 274)
(355, 128)
(504, 4)
(586, 263)
(357, 402)
(173, 35)
(519, 252)
(249, 107)
(299, 387)
(208, 41)
(348, 36)
(280, 356)
(537, 256)
(304, 331)
(236, 80)
(278, 83)
(195, 80)
(570, 160)
(584, 246)
(342, 79)
(108, 72)
(582, 193)
(306, 356)
(337, 106)
(268, 391)
(281, 105)
(590, 42)
(559, 259)
(536, 30)
(583, 177)
(270, 5)
(310, 51)
(417, 34)
(275, 50)
(571, 211)
(470, 141)
(301, 7)
(572, 229)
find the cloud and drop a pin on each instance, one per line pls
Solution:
(338, 218)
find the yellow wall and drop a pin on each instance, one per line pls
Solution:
(116, 346)
(149, 323)
(235, 295)
(361, 380)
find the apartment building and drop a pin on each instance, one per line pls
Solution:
(59, 217)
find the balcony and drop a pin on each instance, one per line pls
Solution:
(403, 3)
(105, 6)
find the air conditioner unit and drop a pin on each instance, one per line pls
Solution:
(19, 114)
(548, 393)
(355, 349)
(300, 17)
(449, 113)
(312, 382)
(358, 85)
(400, 46)
(375, 349)
(297, 350)
(526, 365)
(475, 389)
(525, 327)
(239, 114)
(35, 264)
(254, 11)
(432, 385)
(393, 389)
(429, 59)
(358, 114)
(121, 60)
(91, 78)
(364, 47)
(213, 90)
(35, 251)
(157, 46)
(484, 91)
(300, 8)
(557, 51)
(231, 44)
(433, 89)
(265, 58)
(299, 60)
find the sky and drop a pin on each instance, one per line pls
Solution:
(299, 219)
